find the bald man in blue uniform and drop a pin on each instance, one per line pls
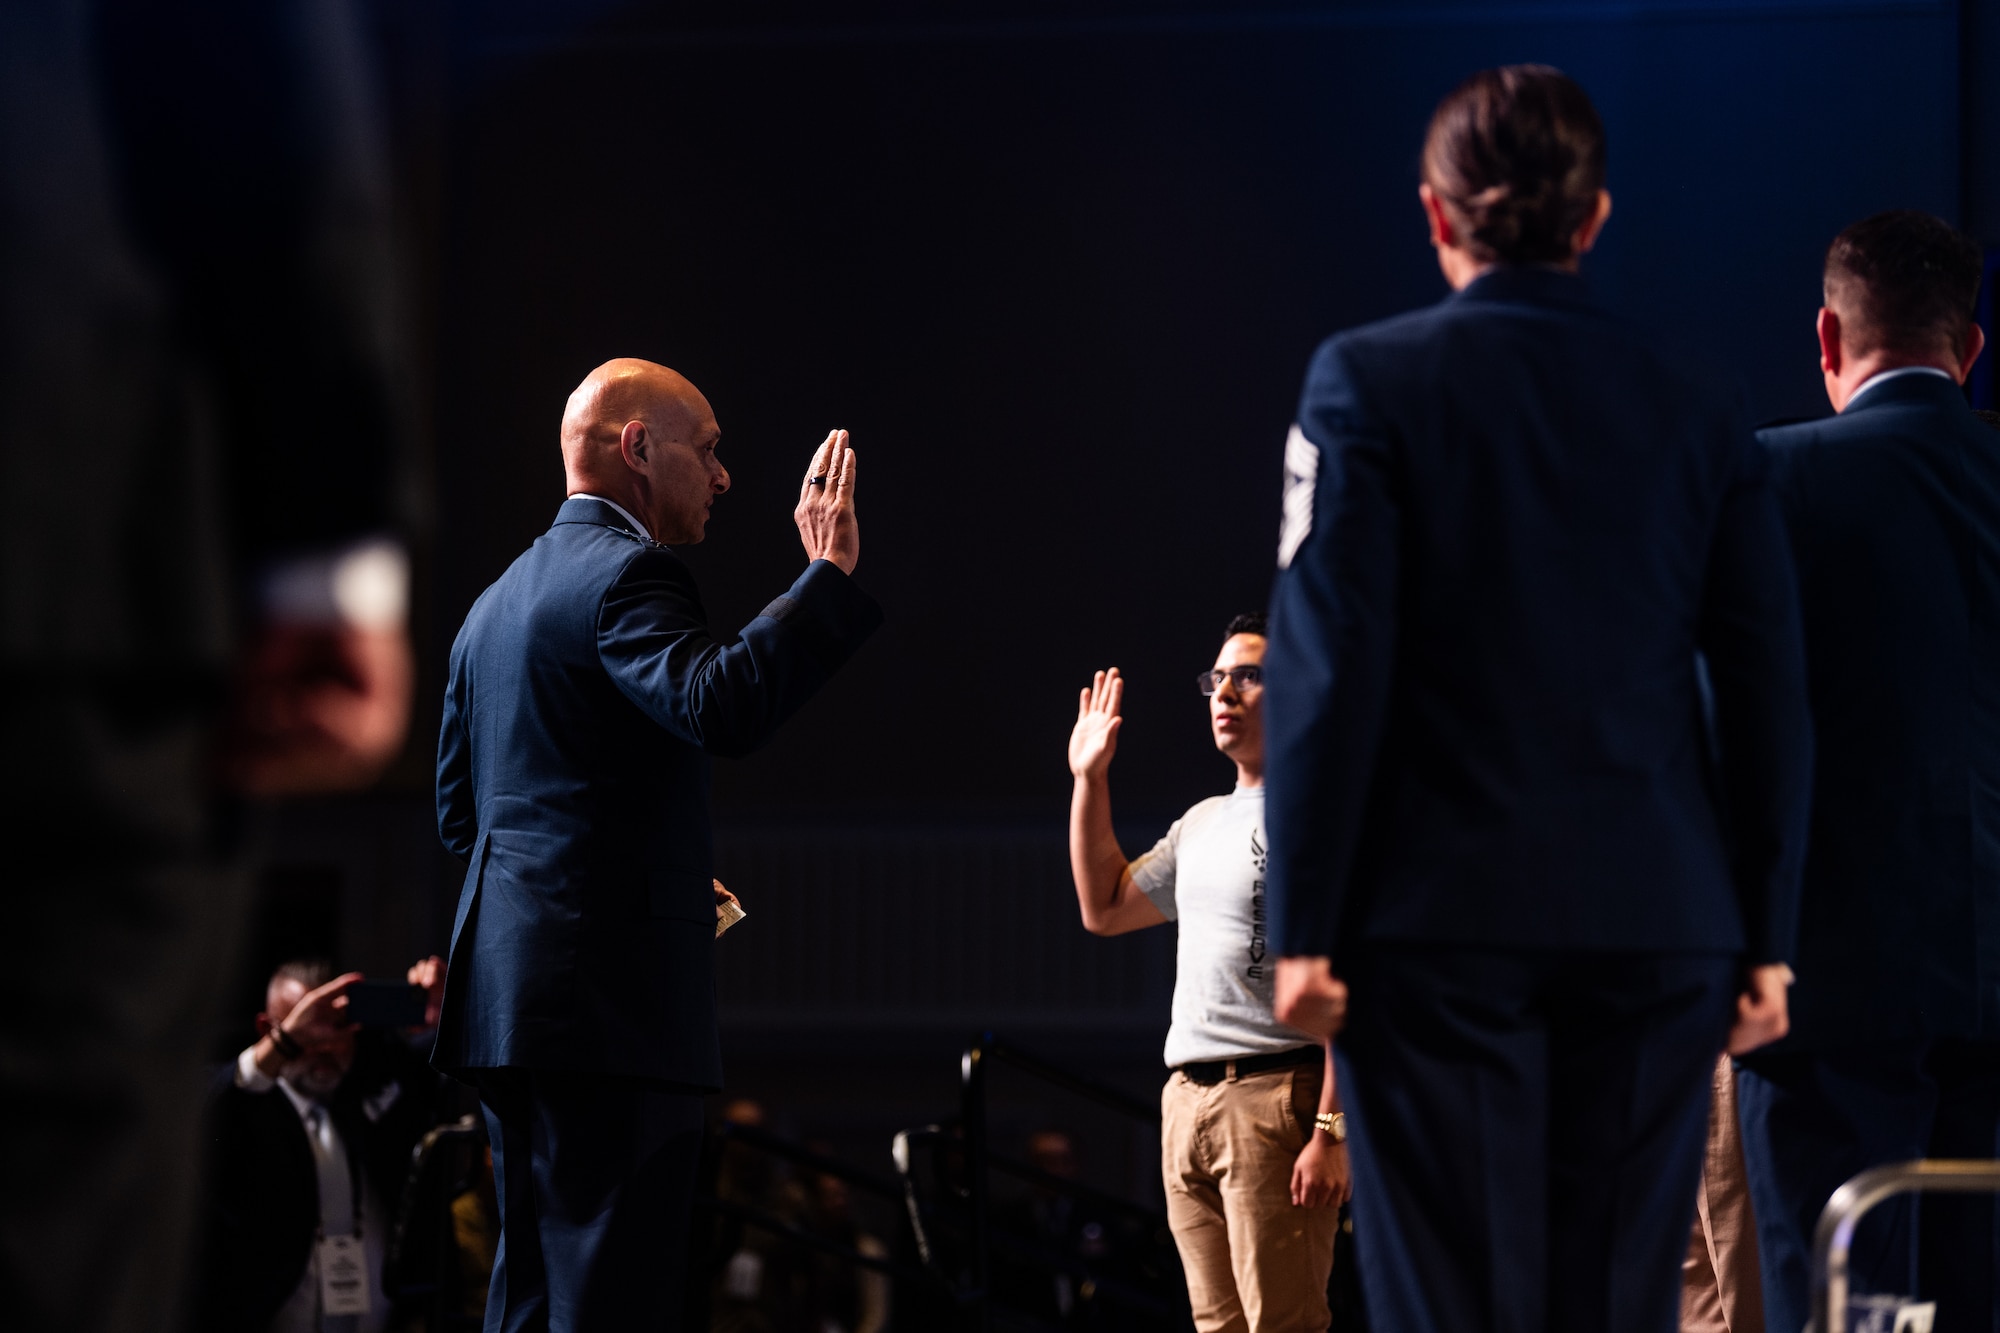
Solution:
(586, 696)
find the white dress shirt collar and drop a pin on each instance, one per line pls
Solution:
(300, 1102)
(627, 514)
(1884, 376)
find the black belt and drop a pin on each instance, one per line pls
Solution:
(1215, 1071)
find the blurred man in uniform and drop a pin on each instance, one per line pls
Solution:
(1513, 522)
(201, 590)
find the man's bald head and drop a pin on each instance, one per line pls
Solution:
(642, 435)
(622, 390)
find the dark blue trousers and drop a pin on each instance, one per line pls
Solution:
(596, 1178)
(1528, 1130)
(1812, 1120)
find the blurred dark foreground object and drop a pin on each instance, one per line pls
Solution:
(199, 390)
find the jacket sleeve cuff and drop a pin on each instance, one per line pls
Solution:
(828, 611)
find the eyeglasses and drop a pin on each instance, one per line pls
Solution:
(1243, 677)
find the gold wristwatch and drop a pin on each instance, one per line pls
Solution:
(1334, 1123)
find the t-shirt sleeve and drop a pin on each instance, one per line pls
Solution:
(1153, 872)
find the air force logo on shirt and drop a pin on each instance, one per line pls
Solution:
(1301, 470)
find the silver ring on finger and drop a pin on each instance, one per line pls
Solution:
(816, 481)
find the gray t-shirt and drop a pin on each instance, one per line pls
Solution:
(1208, 874)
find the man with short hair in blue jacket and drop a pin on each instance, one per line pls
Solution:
(585, 698)
(1893, 509)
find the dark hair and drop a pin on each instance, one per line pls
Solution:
(1516, 155)
(1250, 622)
(312, 973)
(1909, 280)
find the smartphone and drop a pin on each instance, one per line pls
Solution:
(385, 1004)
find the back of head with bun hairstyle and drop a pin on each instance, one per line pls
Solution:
(1516, 156)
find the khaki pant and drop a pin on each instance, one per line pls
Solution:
(1254, 1262)
(1721, 1289)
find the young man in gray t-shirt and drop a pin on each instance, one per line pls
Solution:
(1252, 1140)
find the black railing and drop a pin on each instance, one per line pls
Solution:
(818, 1164)
(940, 1215)
(943, 1183)
(977, 1295)
(712, 1203)
(425, 1206)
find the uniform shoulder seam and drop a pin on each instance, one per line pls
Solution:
(639, 552)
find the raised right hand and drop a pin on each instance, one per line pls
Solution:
(825, 515)
(320, 1016)
(1095, 738)
(429, 973)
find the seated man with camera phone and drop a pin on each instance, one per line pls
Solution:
(307, 1143)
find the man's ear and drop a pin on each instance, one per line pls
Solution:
(1600, 213)
(264, 1025)
(1830, 358)
(1975, 343)
(632, 445)
(1440, 221)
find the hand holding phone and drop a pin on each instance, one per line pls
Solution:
(385, 1004)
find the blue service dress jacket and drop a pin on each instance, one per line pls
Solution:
(1512, 522)
(1893, 508)
(585, 699)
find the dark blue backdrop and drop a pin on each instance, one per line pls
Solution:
(1059, 267)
